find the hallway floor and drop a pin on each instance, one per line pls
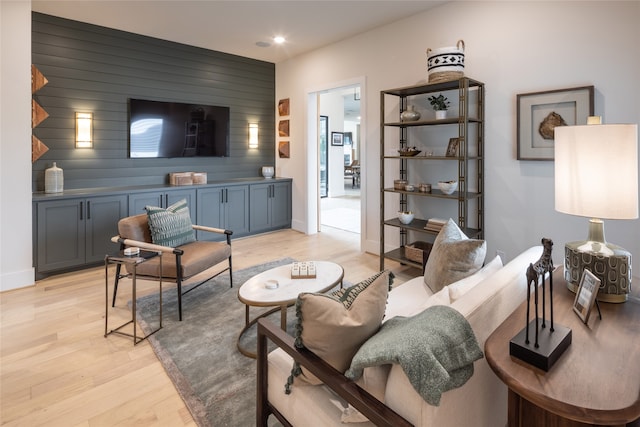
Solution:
(342, 212)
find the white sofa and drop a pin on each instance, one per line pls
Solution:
(480, 402)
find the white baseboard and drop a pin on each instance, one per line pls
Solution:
(17, 279)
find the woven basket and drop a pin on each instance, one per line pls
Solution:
(446, 63)
(418, 251)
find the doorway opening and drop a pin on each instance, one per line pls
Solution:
(339, 159)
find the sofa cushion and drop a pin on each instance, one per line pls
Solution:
(461, 287)
(171, 226)
(453, 257)
(335, 325)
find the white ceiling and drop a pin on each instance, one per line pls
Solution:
(236, 26)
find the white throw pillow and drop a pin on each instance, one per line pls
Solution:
(461, 287)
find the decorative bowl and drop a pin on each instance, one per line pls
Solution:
(448, 187)
(405, 217)
(409, 187)
(409, 152)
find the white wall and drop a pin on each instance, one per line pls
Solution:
(514, 47)
(15, 145)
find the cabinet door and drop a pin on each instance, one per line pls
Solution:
(210, 210)
(101, 224)
(237, 209)
(173, 196)
(259, 200)
(281, 205)
(138, 201)
(60, 234)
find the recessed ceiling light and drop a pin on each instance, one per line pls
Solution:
(278, 39)
(263, 44)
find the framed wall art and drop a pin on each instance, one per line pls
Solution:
(540, 112)
(586, 295)
(337, 138)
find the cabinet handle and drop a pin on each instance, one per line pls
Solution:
(226, 195)
(166, 200)
(81, 210)
(88, 209)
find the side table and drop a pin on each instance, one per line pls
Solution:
(596, 382)
(132, 261)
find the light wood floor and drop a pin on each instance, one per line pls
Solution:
(57, 369)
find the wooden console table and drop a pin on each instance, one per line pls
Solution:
(596, 382)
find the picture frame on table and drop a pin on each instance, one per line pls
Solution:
(538, 113)
(337, 138)
(586, 295)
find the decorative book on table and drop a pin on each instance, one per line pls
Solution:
(303, 270)
(435, 224)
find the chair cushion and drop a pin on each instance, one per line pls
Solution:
(335, 325)
(197, 257)
(171, 226)
(453, 257)
(135, 228)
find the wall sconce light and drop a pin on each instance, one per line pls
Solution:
(253, 135)
(84, 130)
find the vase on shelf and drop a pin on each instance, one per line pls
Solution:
(409, 115)
(441, 114)
(268, 171)
(53, 179)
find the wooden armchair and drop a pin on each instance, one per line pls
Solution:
(179, 263)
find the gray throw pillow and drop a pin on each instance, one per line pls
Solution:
(453, 257)
(171, 226)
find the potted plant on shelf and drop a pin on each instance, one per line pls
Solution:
(440, 103)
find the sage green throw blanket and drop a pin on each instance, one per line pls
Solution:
(436, 349)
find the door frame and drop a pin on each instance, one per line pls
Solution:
(313, 148)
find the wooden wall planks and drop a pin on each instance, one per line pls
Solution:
(93, 68)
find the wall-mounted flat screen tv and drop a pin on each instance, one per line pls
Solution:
(174, 129)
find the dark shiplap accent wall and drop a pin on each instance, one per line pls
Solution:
(97, 69)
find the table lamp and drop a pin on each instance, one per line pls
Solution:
(596, 176)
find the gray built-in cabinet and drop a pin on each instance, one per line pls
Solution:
(73, 230)
(273, 200)
(77, 231)
(224, 206)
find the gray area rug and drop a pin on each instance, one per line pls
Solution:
(216, 382)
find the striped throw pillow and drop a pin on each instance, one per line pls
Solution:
(170, 226)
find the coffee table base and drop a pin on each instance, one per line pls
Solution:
(250, 323)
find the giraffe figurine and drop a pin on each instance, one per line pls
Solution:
(534, 273)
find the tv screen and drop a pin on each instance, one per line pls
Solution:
(174, 129)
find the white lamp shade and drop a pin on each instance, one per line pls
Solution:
(596, 171)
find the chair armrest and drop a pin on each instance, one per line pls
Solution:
(212, 229)
(378, 413)
(146, 245)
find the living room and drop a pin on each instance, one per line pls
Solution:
(513, 47)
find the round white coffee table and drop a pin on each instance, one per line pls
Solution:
(254, 292)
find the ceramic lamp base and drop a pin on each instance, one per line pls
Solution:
(613, 270)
